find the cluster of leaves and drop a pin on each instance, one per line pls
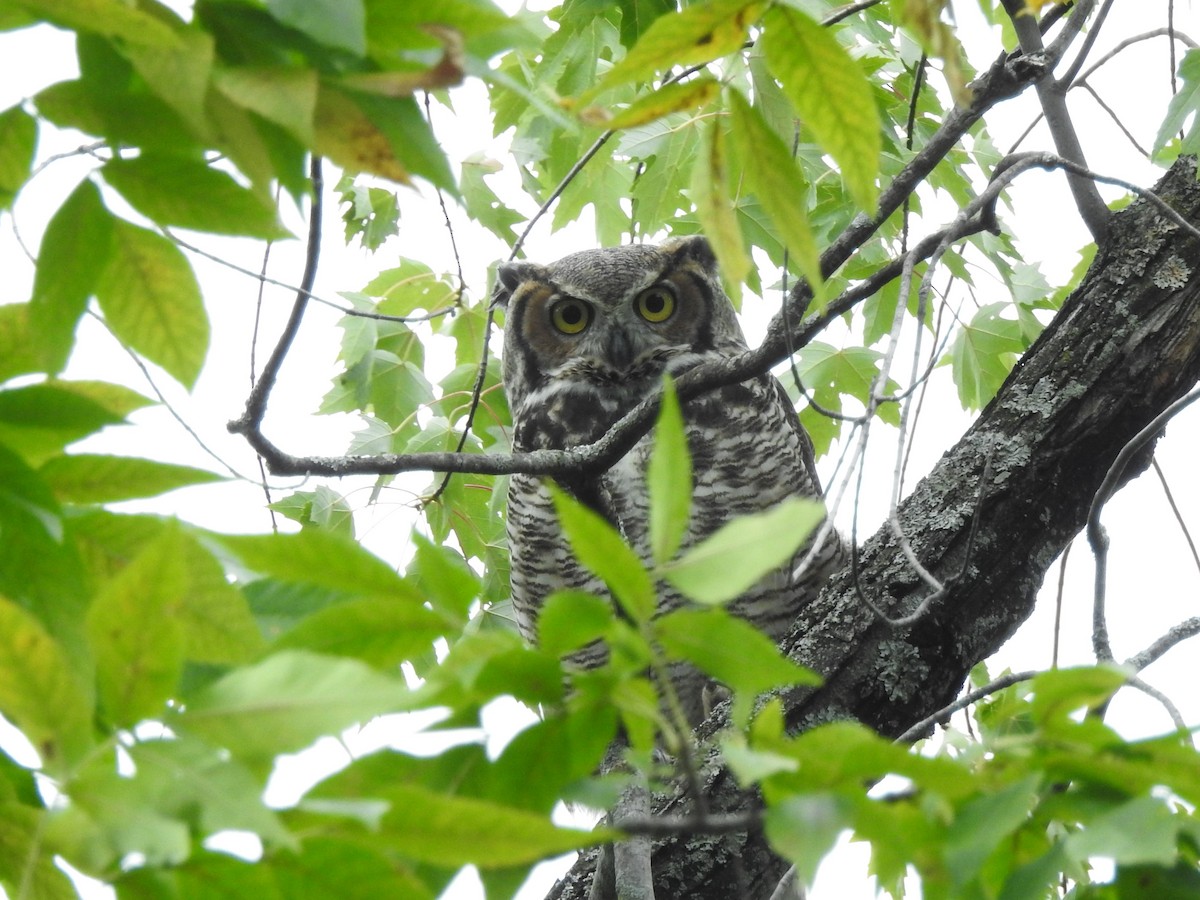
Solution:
(1028, 804)
(159, 670)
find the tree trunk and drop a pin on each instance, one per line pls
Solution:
(1125, 345)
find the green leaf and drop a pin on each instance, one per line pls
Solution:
(452, 831)
(40, 419)
(285, 96)
(805, 828)
(178, 72)
(569, 620)
(669, 479)
(1059, 693)
(317, 558)
(174, 191)
(136, 633)
(287, 701)
(410, 286)
(983, 353)
(381, 632)
(603, 552)
(728, 562)
(39, 691)
(319, 508)
(75, 250)
(483, 206)
(372, 214)
(982, 824)
(95, 478)
(1141, 832)
(775, 179)
(334, 23)
(152, 302)
(18, 140)
(697, 34)
(111, 18)
(444, 579)
(26, 863)
(1183, 106)
(17, 352)
(830, 92)
(731, 650)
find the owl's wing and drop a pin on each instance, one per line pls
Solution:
(808, 456)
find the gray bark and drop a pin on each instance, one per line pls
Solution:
(1125, 345)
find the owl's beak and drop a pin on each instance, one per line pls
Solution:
(618, 350)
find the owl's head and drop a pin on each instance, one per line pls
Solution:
(616, 318)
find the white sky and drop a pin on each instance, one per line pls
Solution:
(1152, 585)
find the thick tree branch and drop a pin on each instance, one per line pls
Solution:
(1124, 347)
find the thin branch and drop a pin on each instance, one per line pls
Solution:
(1112, 114)
(1187, 535)
(1052, 96)
(1058, 603)
(1089, 42)
(1163, 699)
(1179, 633)
(315, 298)
(256, 403)
(847, 11)
(711, 823)
(963, 702)
(1096, 534)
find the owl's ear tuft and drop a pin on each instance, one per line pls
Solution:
(695, 248)
(509, 276)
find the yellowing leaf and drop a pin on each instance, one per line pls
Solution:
(18, 138)
(446, 73)
(152, 302)
(39, 691)
(350, 139)
(672, 98)
(697, 34)
(830, 92)
(714, 209)
(135, 632)
(776, 181)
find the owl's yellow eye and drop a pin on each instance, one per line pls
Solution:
(655, 304)
(571, 316)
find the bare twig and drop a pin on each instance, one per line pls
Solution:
(256, 403)
(1098, 537)
(1179, 633)
(1187, 535)
(847, 11)
(1052, 95)
(262, 278)
(1058, 603)
(711, 823)
(963, 702)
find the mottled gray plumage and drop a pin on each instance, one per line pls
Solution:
(586, 339)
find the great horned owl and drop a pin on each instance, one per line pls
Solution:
(586, 339)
